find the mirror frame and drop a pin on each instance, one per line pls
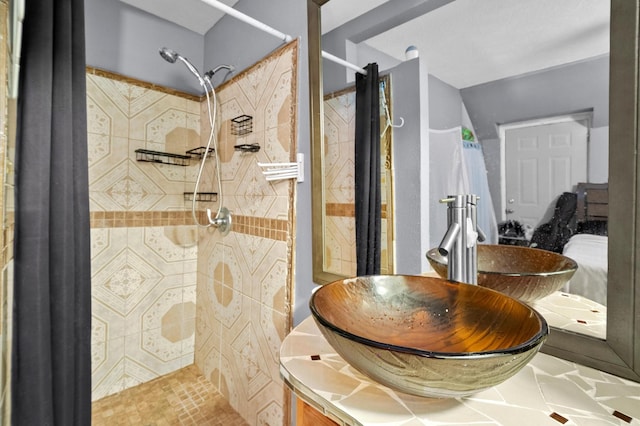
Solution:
(316, 107)
(619, 354)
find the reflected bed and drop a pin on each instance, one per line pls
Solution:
(589, 246)
(590, 280)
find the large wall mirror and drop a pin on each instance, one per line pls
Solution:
(338, 231)
(617, 127)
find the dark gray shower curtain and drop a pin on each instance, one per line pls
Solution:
(51, 370)
(367, 172)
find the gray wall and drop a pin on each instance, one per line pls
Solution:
(581, 86)
(407, 150)
(376, 21)
(576, 87)
(234, 42)
(491, 150)
(445, 105)
(367, 54)
(125, 40)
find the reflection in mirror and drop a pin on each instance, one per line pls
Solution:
(339, 186)
(528, 121)
(536, 124)
(508, 99)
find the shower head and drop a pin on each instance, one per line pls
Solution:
(172, 56)
(210, 73)
(169, 55)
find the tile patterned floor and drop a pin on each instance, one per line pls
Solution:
(184, 397)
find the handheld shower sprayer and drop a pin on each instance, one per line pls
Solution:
(172, 56)
(222, 219)
(168, 55)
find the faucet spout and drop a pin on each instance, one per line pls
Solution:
(460, 242)
(449, 239)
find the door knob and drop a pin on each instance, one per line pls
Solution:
(509, 211)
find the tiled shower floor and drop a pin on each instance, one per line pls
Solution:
(184, 397)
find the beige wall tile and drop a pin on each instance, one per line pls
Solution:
(138, 273)
(271, 331)
(148, 355)
(154, 115)
(107, 367)
(267, 405)
(107, 106)
(245, 277)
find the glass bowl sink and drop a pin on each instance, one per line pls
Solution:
(525, 273)
(427, 336)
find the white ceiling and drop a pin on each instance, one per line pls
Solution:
(469, 42)
(338, 12)
(195, 15)
(466, 42)
(198, 16)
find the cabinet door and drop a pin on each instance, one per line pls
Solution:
(306, 415)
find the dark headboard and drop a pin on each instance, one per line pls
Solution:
(593, 202)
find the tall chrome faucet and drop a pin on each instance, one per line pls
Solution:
(460, 243)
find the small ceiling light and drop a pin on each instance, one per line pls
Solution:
(411, 52)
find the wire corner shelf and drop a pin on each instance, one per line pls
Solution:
(247, 147)
(241, 125)
(200, 152)
(201, 196)
(158, 157)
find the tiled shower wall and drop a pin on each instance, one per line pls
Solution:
(143, 241)
(245, 278)
(339, 175)
(149, 260)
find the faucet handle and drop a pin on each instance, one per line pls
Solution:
(481, 235)
(461, 200)
(472, 235)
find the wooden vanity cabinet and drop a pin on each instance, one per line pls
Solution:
(306, 415)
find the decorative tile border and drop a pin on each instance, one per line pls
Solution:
(340, 209)
(274, 229)
(348, 210)
(130, 219)
(140, 83)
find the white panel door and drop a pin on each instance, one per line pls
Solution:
(542, 162)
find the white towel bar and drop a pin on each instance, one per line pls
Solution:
(278, 171)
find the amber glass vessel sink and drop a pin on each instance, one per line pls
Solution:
(427, 336)
(528, 274)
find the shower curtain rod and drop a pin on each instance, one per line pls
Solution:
(342, 62)
(282, 36)
(249, 20)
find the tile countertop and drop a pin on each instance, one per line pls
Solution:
(573, 313)
(548, 391)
